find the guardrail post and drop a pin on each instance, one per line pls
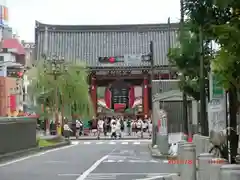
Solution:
(215, 166)
(230, 172)
(188, 163)
(204, 161)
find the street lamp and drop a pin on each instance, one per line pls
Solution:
(55, 65)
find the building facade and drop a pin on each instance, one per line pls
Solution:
(11, 98)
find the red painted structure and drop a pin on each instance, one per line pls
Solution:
(94, 93)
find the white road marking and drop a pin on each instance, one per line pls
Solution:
(165, 161)
(112, 142)
(99, 143)
(98, 177)
(109, 161)
(69, 175)
(35, 155)
(136, 142)
(119, 161)
(151, 178)
(86, 142)
(120, 174)
(124, 142)
(154, 161)
(138, 161)
(94, 166)
(74, 142)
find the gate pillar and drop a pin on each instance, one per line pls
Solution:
(145, 97)
(94, 93)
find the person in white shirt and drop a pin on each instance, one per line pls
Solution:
(100, 127)
(66, 130)
(139, 127)
(113, 130)
(78, 127)
(118, 128)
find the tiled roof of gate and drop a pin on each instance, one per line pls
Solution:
(119, 27)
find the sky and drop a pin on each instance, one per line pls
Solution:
(24, 13)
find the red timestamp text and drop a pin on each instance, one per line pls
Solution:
(178, 161)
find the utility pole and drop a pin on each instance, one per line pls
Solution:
(184, 95)
(154, 138)
(203, 113)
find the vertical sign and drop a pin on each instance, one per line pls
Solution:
(217, 105)
(216, 90)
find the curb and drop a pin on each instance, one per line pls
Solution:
(21, 153)
(156, 154)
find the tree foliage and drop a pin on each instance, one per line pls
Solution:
(219, 23)
(185, 57)
(227, 62)
(69, 91)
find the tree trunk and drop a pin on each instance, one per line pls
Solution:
(233, 122)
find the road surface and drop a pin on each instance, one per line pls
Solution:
(89, 160)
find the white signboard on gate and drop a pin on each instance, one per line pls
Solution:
(133, 59)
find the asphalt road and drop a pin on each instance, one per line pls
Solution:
(89, 160)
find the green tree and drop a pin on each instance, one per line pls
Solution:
(69, 91)
(186, 58)
(219, 22)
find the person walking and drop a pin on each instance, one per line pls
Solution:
(114, 130)
(66, 130)
(129, 127)
(118, 126)
(100, 128)
(78, 128)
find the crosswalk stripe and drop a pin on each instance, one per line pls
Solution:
(99, 143)
(87, 143)
(136, 143)
(112, 142)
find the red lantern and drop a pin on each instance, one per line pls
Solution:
(111, 59)
(20, 74)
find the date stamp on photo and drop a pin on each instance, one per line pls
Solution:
(179, 161)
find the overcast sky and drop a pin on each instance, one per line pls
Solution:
(23, 13)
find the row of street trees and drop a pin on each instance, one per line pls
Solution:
(67, 90)
(210, 22)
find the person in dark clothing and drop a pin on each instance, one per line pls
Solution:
(122, 125)
(105, 127)
(129, 126)
(94, 126)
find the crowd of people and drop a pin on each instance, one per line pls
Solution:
(116, 127)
